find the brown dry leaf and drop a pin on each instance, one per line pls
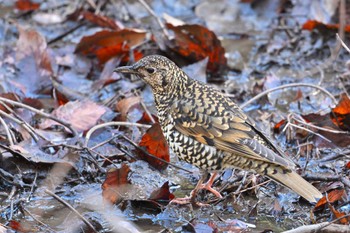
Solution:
(81, 114)
(101, 21)
(107, 44)
(325, 121)
(33, 153)
(10, 96)
(162, 194)
(338, 215)
(125, 105)
(116, 184)
(33, 62)
(195, 43)
(154, 142)
(26, 5)
(333, 196)
(341, 113)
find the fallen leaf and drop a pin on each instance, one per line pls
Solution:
(81, 114)
(195, 43)
(107, 44)
(311, 25)
(10, 96)
(333, 196)
(33, 62)
(116, 184)
(19, 227)
(341, 113)
(101, 21)
(26, 5)
(33, 153)
(145, 119)
(126, 104)
(326, 122)
(154, 142)
(348, 165)
(149, 206)
(278, 126)
(339, 215)
(162, 194)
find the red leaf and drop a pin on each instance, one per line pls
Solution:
(196, 42)
(314, 24)
(341, 113)
(162, 194)
(333, 196)
(145, 119)
(107, 44)
(348, 165)
(116, 184)
(337, 214)
(277, 127)
(154, 142)
(26, 5)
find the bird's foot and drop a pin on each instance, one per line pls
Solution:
(208, 187)
(188, 200)
(209, 184)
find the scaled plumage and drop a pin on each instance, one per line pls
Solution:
(207, 129)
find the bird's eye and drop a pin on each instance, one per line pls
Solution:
(150, 70)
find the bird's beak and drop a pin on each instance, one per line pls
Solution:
(126, 70)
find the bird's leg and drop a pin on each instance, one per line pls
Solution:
(199, 186)
(209, 183)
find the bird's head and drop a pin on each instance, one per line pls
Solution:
(157, 71)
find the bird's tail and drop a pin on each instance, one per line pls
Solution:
(296, 183)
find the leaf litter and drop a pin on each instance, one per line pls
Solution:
(61, 63)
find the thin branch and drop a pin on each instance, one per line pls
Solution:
(288, 86)
(160, 23)
(41, 113)
(319, 128)
(24, 124)
(114, 123)
(342, 43)
(308, 130)
(72, 209)
(9, 136)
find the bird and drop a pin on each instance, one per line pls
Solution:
(207, 129)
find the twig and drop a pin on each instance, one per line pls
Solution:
(318, 127)
(114, 123)
(44, 114)
(24, 124)
(37, 220)
(59, 37)
(147, 112)
(318, 228)
(161, 24)
(288, 86)
(9, 136)
(308, 130)
(342, 43)
(72, 209)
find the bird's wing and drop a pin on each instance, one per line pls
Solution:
(219, 122)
